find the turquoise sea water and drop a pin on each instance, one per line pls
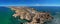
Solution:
(7, 18)
(4, 17)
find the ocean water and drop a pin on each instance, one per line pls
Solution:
(7, 18)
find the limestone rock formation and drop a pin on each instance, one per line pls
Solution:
(31, 15)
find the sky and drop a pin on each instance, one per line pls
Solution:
(30, 2)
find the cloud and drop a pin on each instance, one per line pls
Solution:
(34, 5)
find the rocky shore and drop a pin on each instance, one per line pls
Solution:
(33, 16)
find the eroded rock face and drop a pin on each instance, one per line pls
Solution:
(31, 15)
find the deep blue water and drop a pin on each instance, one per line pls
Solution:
(39, 8)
